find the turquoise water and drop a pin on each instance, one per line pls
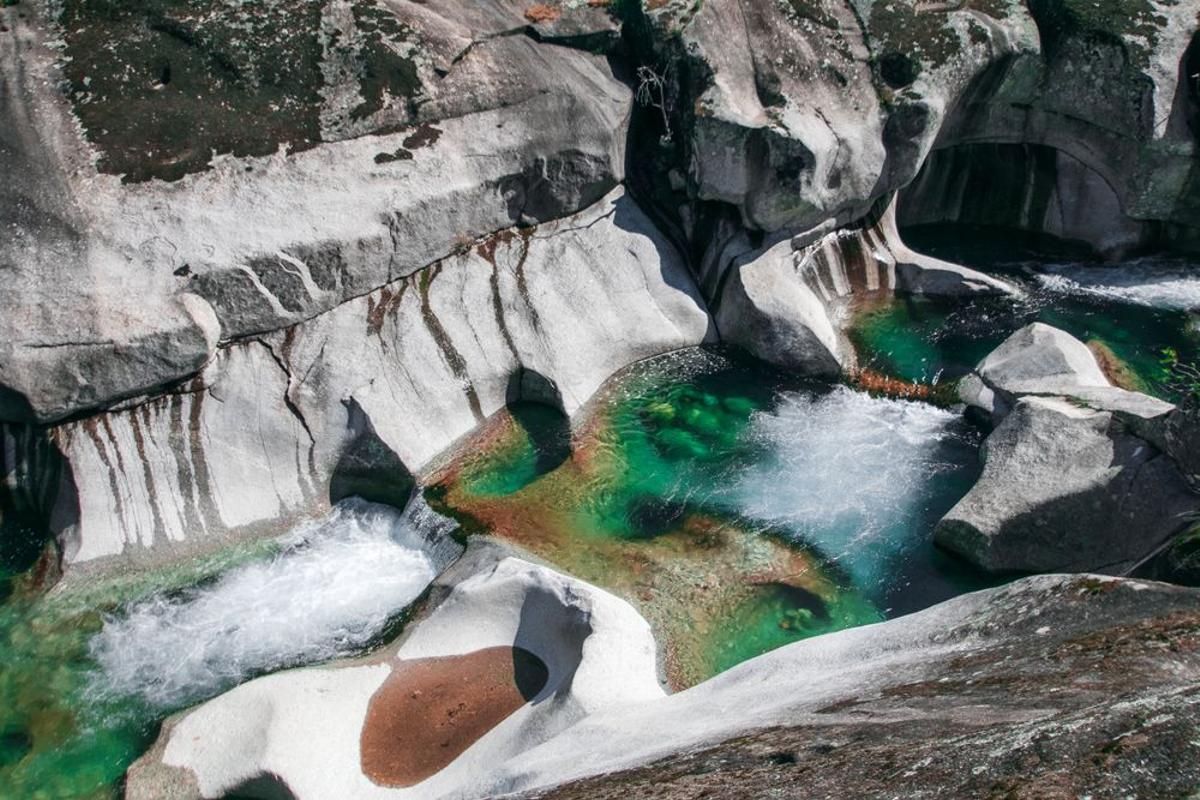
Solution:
(1135, 310)
(739, 509)
(799, 508)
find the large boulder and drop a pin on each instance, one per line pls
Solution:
(798, 113)
(770, 311)
(1078, 474)
(1182, 440)
(510, 656)
(275, 162)
(1041, 360)
(787, 304)
(1037, 359)
(1066, 488)
(1092, 139)
(364, 395)
(1079, 683)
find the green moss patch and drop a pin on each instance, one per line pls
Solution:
(162, 85)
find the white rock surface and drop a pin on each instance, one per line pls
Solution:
(1037, 359)
(803, 684)
(801, 136)
(787, 304)
(301, 729)
(253, 443)
(1042, 360)
(769, 310)
(94, 266)
(572, 301)
(1065, 488)
(1078, 474)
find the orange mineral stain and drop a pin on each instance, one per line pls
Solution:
(430, 710)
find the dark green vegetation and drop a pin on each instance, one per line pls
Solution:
(923, 38)
(1132, 22)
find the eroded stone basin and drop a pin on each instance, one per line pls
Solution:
(430, 710)
(1132, 315)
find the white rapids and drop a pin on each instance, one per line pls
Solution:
(852, 473)
(334, 586)
(1171, 285)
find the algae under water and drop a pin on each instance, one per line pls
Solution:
(737, 509)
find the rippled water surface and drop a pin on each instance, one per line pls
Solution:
(331, 590)
(738, 509)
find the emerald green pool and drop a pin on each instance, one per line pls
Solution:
(738, 509)
(58, 737)
(90, 669)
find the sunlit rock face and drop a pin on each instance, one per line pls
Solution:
(189, 209)
(788, 304)
(258, 260)
(518, 653)
(810, 111)
(1022, 678)
(267, 433)
(466, 125)
(1078, 475)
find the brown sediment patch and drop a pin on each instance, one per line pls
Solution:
(430, 710)
(542, 12)
(1115, 368)
(879, 383)
(685, 576)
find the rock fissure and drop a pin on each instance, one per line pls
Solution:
(450, 354)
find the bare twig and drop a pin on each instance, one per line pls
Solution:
(652, 92)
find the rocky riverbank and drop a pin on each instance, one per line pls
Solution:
(258, 259)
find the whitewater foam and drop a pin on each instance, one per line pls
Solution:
(860, 477)
(1169, 285)
(332, 588)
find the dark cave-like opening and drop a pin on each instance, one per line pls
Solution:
(1019, 197)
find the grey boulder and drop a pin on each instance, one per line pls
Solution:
(1066, 488)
